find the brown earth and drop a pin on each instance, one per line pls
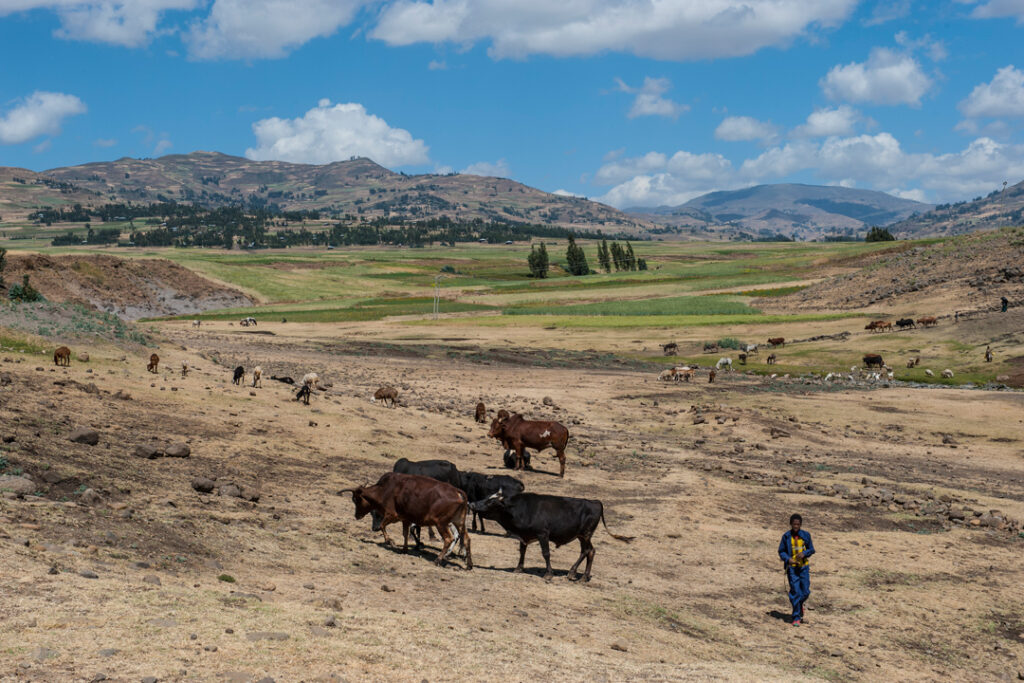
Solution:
(128, 288)
(703, 475)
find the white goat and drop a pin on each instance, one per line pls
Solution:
(947, 373)
(310, 379)
(724, 362)
(257, 377)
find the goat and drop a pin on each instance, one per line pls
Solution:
(385, 394)
(481, 413)
(154, 363)
(771, 359)
(667, 375)
(724, 362)
(711, 375)
(303, 394)
(929, 373)
(197, 323)
(184, 368)
(239, 376)
(743, 359)
(257, 377)
(310, 379)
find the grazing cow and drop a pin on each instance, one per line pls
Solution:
(184, 368)
(770, 360)
(751, 349)
(414, 499)
(878, 326)
(303, 394)
(667, 375)
(481, 412)
(776, 341)
(711, 375)
(442, 470)
(246, 322)
(904, 323)
(257, 377)
(947, 373)
(285, 380)
(670, 349)
(743, 359)
(529, 517)
(724, 362)
(154, 363)
(480, 486)
(239, 376)
(873, 360)
(62, 356)
(385, 394)
(518, 433)
(928, 321)
(684, 372)
(872, 326)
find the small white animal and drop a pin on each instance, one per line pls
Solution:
(196, 323)
(947, 373)
(929, 373)
(257, 377)
(310, 379)
(724, 363)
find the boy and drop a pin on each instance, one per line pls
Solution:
(794, 549)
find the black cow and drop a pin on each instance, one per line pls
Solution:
(904, 323)
(509, 459)
(480, 486)
(239, 375)
(532, 517)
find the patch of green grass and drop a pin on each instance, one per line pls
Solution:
(776, 291)
(226, 578)
(678, 305)
(638, 321)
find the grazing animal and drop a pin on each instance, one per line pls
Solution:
(743, 359)
(670, 349)
(751, 349)
(684, 372)
(442, 470)
(303, 394)
(725, 362)
(246, 322)
(481, 486)
(988, 354)
(239, 376)
(873, 360)
(285, 380)
(184, 368)
(910, 363)
(311, 380)
(776, 341)
(904, 323)
(771, 359)
(257, 377)
(385, 394)
(62, 356)
(413, 499)
(929, 373)
(518, 433)
(711, 375)
(947, 373)
(154, 363)
(197, 323)
(667, 375)
(928, 321)
(481, 412)
(530, 517)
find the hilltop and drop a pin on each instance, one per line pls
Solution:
(793, 210)
(357, 187)
(999, 209)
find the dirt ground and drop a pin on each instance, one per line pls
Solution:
(913, 498)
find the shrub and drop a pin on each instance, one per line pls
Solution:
(877, 234)
(731, 343)
(226, 578)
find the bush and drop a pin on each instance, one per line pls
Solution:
(226, 578)
(731, 343)
(877, 234)
(448, 268)
(24, 292)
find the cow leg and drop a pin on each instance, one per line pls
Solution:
(415, 528)
(545, 550)
(522, 557)
(405, 536)
(520, 457)
(384, 530)
(590, 560)
(448, 542)
(561, 462)
(573, 575)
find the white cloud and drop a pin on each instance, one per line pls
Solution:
(738, 128)
(649, 100)
(266, 28)
(870, 161)
(888, 77)
(888, 10)
(935, 49)
(498, 169)
(130, 23)
(662, 29)
(104, 142)
(41, 113)
(822, 123)
(162, 146)
(1002, 96)
(566, 193)
(995, 9)
(436, 65)
(329, 133)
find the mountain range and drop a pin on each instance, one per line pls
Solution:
(1001, 208)
(792, 210)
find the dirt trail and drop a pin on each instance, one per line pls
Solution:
(902, 588)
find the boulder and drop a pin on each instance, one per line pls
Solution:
(178, 450)
(203, 485)
(83, 357)
(84, 435)
(230, 490)
(19, 485)
(147, 451)
(90, 497)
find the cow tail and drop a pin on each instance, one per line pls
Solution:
(624, 539)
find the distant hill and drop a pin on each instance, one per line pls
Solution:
(358, 187)
(800, 211)
(999, 209)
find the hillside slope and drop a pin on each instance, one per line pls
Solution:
(358, 187)
(128, 288)
(970, 272)
(999, 209)
(793, 210)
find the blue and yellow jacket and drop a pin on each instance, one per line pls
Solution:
(790, 546)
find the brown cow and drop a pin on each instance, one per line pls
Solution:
(518, 433)
(928, 321)
(413, 499)
(777, 341)
(481, 412)
(62, 356)
(385, 394)
(873, 359)
(711, 375)
(154, 362)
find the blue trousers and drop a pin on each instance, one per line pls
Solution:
(799, 587)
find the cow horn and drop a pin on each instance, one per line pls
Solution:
(344, 491)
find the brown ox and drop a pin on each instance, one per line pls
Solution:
(777, 341)
(412, 499)
(928, 321)
(62, 356)
(154, 362)
(517, 433)
(481, 412)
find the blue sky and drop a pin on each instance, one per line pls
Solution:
(632, 102)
